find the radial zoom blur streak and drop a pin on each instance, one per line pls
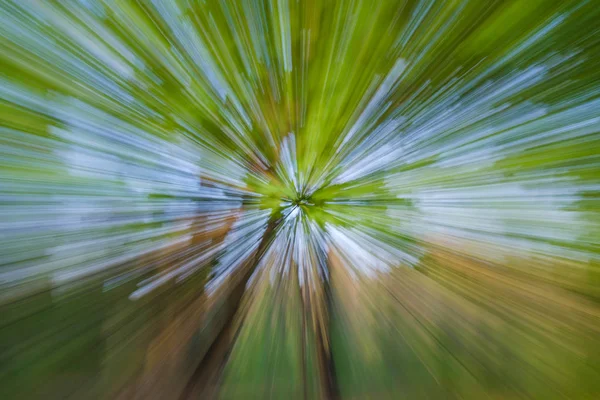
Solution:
(299, 199)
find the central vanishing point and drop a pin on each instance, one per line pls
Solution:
(302, 200)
